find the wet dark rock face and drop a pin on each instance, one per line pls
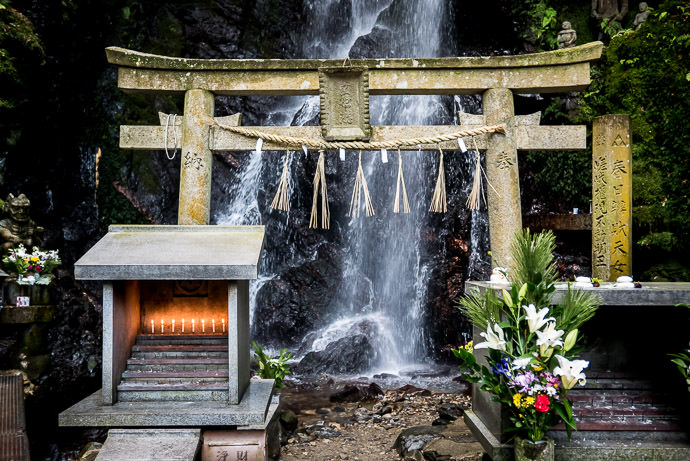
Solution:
(298, 300)
(349, 355)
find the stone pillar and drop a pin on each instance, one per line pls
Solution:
(505, 214)
(238, 339)
(611, 197)
(197, 159)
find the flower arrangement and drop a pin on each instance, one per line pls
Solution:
(532, 358)
(33, 268)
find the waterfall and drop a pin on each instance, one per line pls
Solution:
(383, 270)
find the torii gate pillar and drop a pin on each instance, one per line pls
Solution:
(197, 160)
(505, 214)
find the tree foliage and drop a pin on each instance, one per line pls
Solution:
(646, 73)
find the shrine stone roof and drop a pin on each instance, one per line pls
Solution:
(145, 252)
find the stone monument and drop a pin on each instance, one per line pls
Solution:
(641, 16)
(611, 197)
(567, 36)
(18, 228)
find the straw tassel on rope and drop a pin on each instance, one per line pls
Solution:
(400, 185)
(360, 186)
(320, 186)
(281, 201)
(438, 202)
(474, 200)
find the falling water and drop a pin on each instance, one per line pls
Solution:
(384, 254)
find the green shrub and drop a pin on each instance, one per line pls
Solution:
(272, 367)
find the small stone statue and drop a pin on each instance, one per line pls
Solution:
(567, 36)
(609, 9)
(641, 16)
(18, 227)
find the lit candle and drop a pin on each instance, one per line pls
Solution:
(223, 320)
(173, 330)
(203, 325)
(213, 323)
(192, 325)
(182, 324)
(152, 330)
(162, 327)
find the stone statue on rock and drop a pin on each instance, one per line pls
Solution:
(641, 16)
(567, 36)
(18, 227)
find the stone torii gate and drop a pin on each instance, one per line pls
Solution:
(344, 91)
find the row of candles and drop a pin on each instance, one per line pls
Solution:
(181, 327)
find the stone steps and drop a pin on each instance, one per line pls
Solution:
(162, 375)
(176, 368)
(14, 444)
(177, 364)
(620, 402)
(178, 354)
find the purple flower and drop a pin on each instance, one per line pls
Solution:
(551, 379)
(523, 381)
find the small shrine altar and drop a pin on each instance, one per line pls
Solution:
(175, 333)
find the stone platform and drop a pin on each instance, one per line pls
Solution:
(150, 444)
(251, 411)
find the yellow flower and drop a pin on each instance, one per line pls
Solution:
(537, 367)
(34, 259)
(528, 401)
(516, 399)
(469, 347)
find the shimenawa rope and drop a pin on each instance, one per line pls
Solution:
(325, 145)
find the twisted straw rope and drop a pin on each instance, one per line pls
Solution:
(356, 145)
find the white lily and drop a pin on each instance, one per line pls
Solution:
(519, 364)
(493, 341)
(570, 371)
(536, 320)
(549, 338)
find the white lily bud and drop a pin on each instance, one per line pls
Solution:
(570, 340)
(507, 299)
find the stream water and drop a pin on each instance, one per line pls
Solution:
(383, 260)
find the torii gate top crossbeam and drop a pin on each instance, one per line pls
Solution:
(548, 72)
